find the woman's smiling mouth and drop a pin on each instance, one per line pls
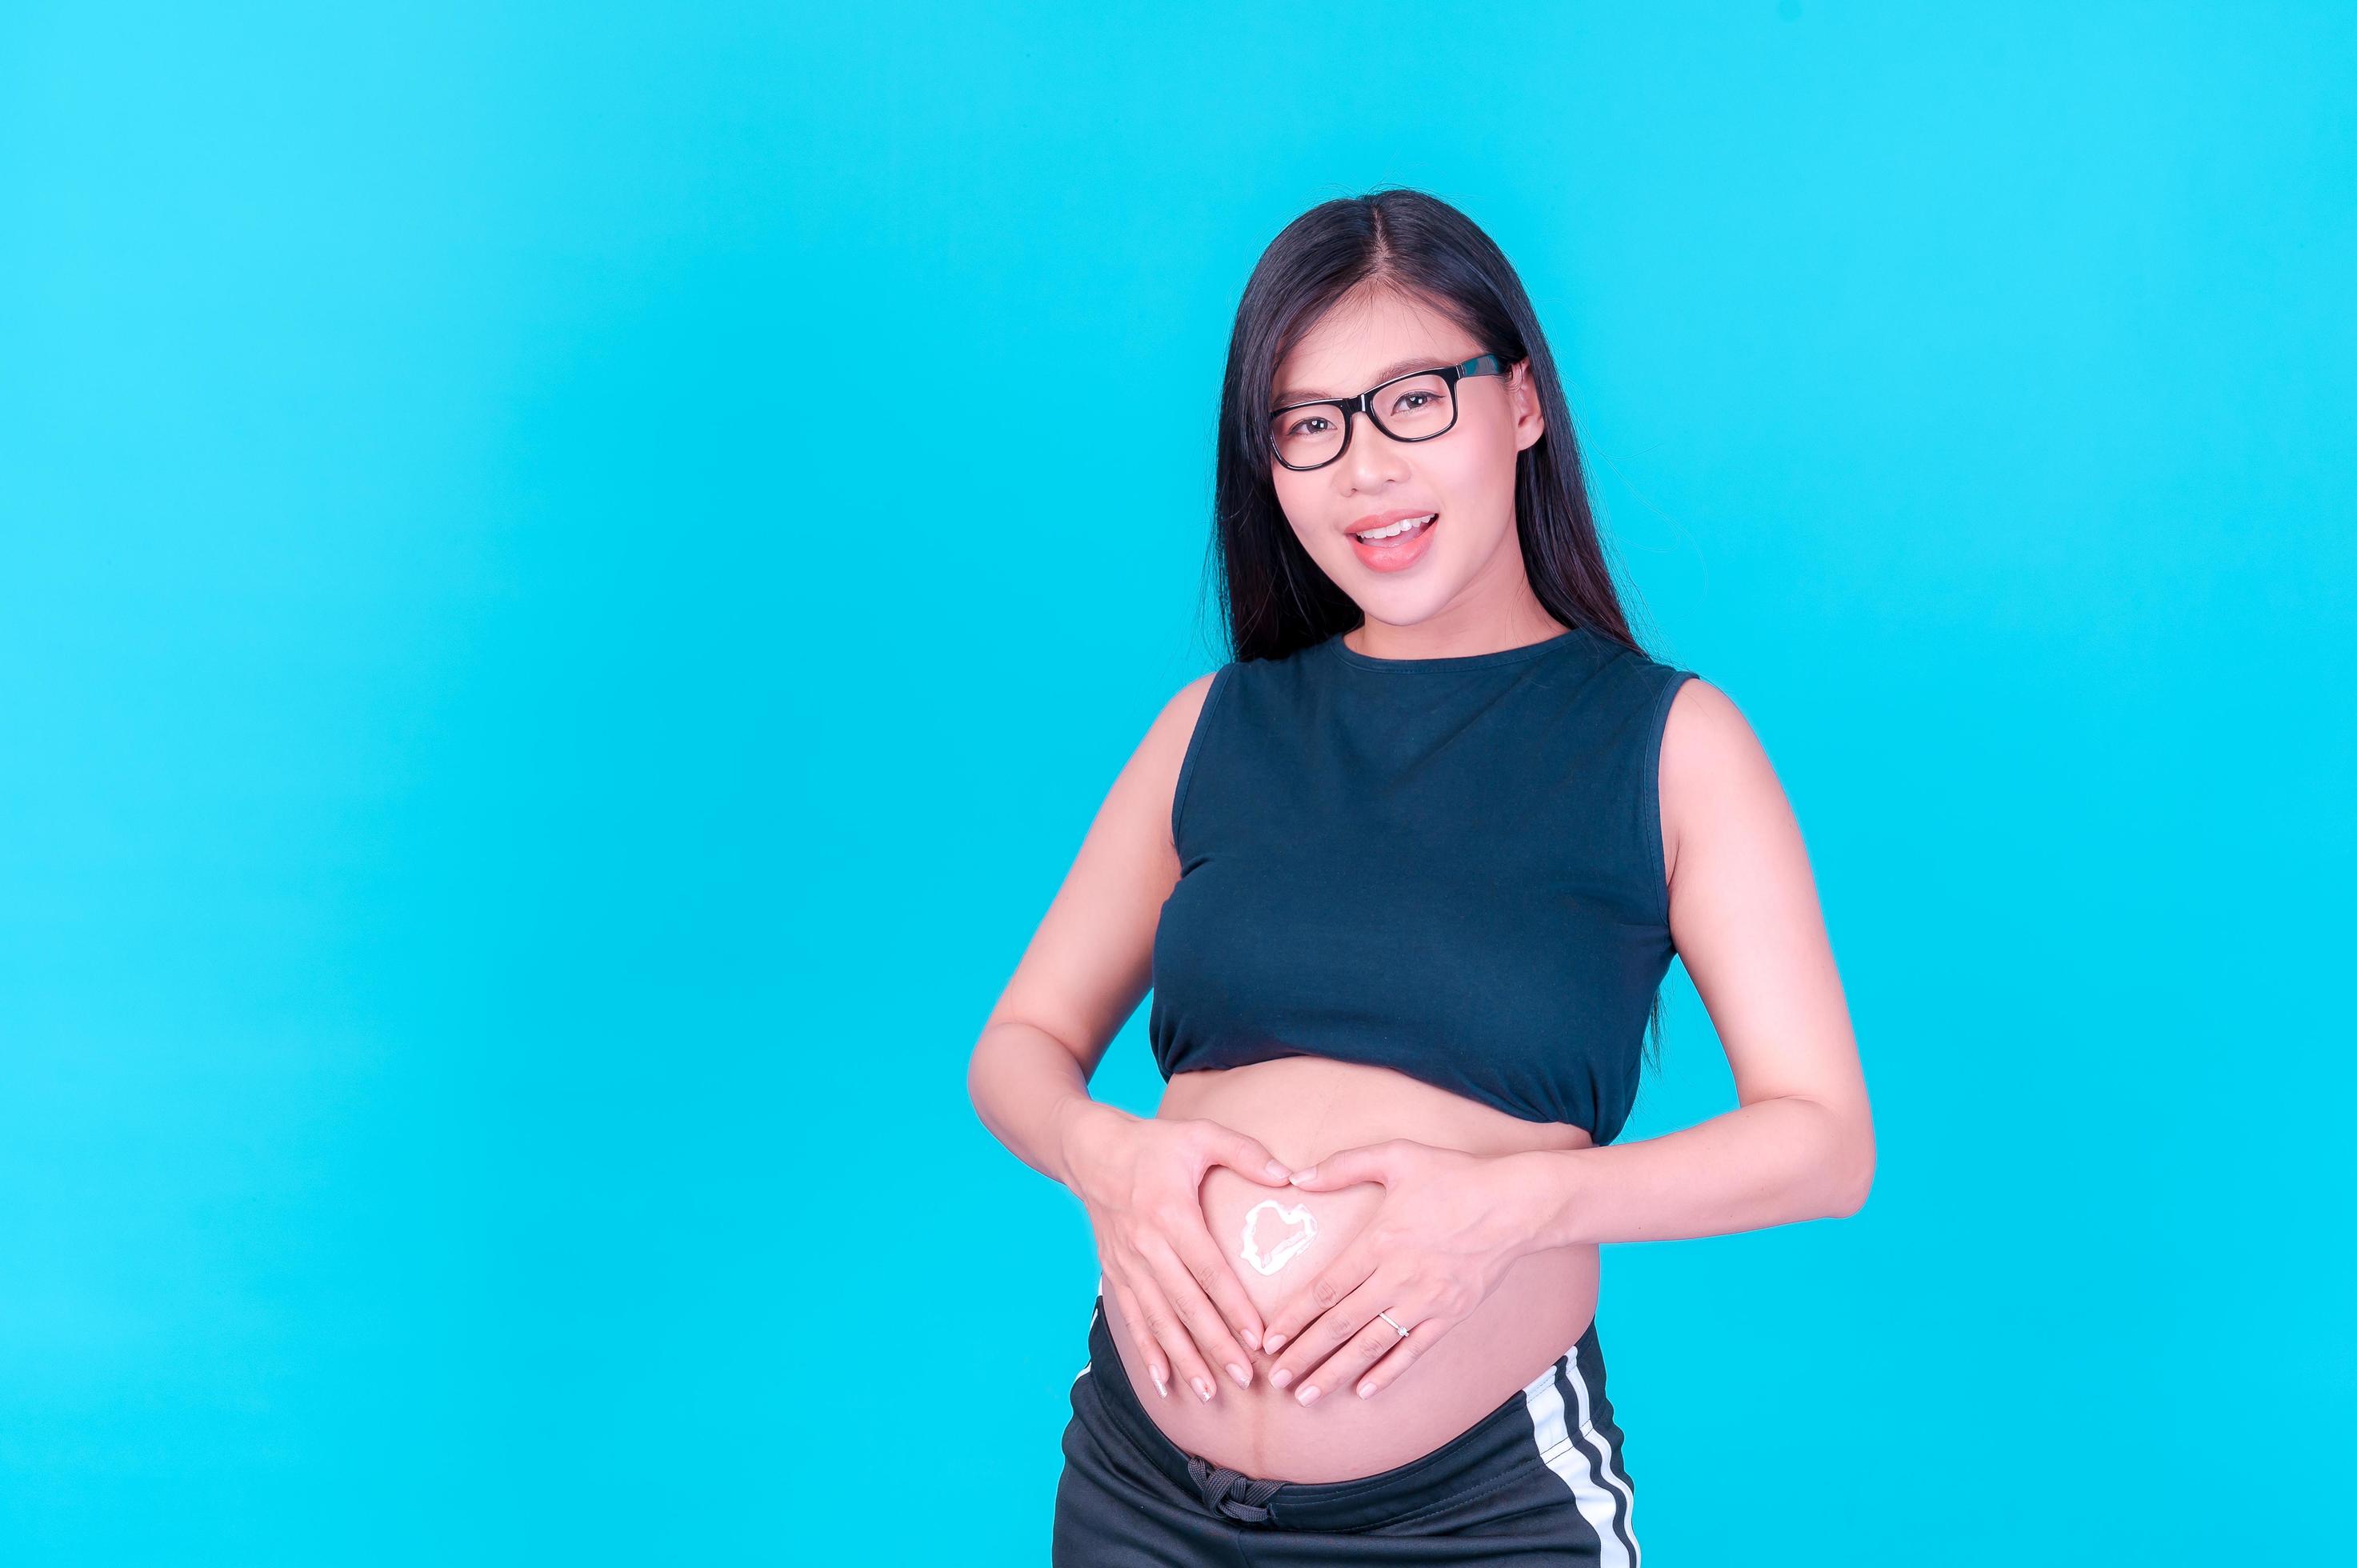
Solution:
(1395, 545)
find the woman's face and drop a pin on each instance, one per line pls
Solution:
(1467, 561)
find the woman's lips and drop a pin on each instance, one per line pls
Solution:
(1396, 554)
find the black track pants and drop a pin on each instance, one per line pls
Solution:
(1539, 1480)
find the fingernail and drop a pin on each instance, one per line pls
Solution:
(1309, 1394)
(1160, 1385)
(1272, 1342)
(1203, 1387)
(1366, 1389)
(1251, 1340)
(1299, 1176)
(1243, 1377)
(1280, 1376)
(1277, 1170)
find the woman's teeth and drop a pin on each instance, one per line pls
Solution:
(1405, 525)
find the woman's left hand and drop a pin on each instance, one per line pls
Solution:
(1449, 1229)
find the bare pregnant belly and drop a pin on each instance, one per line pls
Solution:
(1305, 1108)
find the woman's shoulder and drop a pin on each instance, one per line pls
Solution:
(1714, 775)
(1702, 727)
(1179, 713)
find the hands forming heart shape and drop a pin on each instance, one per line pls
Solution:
(1299, 1229)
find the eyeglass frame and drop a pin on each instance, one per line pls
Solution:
(1366, 403)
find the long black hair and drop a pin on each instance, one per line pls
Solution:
(1276, 600)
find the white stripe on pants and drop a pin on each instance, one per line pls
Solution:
(1597, 1492)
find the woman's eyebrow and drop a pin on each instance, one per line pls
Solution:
(1415, 362)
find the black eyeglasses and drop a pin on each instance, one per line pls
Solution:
(1414, 407)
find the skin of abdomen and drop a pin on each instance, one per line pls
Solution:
(1303, 1109)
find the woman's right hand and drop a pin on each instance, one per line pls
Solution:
(1141, 1179)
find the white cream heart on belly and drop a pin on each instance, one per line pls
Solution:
(1298, 1228)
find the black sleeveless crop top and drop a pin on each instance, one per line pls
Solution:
(1450, 867)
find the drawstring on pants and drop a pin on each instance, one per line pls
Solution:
(1231, 1492)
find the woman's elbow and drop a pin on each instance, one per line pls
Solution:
(1858, 1177)
(981, 1071)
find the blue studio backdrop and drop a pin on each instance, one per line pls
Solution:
(572, 576)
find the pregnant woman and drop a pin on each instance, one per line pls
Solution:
(1404, 877)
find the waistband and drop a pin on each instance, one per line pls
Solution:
(1488, 1453)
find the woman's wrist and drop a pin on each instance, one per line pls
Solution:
(1540, 1187)
(1073, 1127)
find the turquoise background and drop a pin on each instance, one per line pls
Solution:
(572, 576)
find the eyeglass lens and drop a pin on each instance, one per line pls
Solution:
(1410, 410)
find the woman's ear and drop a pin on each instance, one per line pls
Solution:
(1530, 419)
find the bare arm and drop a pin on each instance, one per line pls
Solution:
(1081, 977)
(1744, 914)
(1090, 960)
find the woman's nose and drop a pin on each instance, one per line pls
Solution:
(1374, 460)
